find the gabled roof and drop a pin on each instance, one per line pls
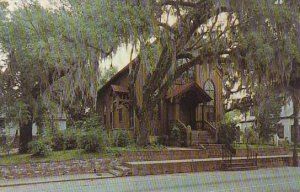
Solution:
(117, 75)
(179, 90)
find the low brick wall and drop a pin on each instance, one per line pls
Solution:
(200, 166)
(275, 162)
(163, 155)
(263, 152)
(192, 154)
(54, 168)
(179, 167)
(70, 167)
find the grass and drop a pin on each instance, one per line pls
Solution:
(54, 156)
(71, 155)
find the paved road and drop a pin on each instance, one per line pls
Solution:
(278, 180)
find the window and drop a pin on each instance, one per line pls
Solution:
(104, 116)
(238, 134)
(159, 112)
(252, 112)
(280, 131)
(209, 88)
(292, 132)
(2, 126)
(131, 117)
(120, 115)
(111, 118)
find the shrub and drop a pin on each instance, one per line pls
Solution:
(227, 132)
(57, 141)
(162, 140)
(40, 147)
(6, 143)
(91, 140)
(250, 136)
(285, 143)
(178, 133)
(121, 138)
(89, 123)
(70, 139)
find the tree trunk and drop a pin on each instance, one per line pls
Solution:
(295, 99)
(145, 125)
(143, 137)
(25, 135)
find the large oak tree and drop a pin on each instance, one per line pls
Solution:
(259, 38)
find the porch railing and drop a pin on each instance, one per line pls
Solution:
(226, 154)
(210, 128)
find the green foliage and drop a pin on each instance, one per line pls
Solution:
(178, 133)
(90, 122)
(40, 147)
(6, 143)
(227, 132)
(107, 74)
(121, 138)
(267, 112)
(162, 140)
(285, 143)
(70, 139)
(250, 136)
(91, 140)
(57, 140)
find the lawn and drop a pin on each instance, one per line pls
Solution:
(70, 155)
(54, 156)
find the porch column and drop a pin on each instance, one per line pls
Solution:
(202, 104)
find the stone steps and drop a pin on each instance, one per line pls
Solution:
(116, 173)
(201, 137)
(126, 171)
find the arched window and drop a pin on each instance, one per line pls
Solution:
(209, 88)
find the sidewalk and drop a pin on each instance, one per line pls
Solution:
(53, 179)
(275, 179)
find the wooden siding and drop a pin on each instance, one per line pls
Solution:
(169, 109)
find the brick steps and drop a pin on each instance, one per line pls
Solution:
(239, 165)
(241, 168)
(201, 137)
